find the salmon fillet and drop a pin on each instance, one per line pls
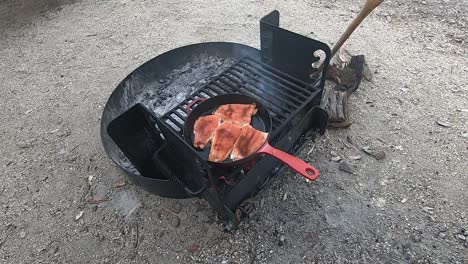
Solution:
(239, 114)
(248, 143)
(224, 138)
(203, 130)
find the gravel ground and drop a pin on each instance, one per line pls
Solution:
(60, 60)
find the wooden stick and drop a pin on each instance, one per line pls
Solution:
(369, 5)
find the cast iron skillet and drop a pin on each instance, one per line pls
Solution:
(261, 121)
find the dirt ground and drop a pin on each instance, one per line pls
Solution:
(60, 60)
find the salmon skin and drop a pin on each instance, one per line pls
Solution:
(224, 138)
(203, 130)
(238, 114)
(248, 143)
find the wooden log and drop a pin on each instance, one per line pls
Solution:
(335, 103)
(335, 95)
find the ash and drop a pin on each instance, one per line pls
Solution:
(164, 94)
(167, 93)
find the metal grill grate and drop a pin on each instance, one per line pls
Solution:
(283, 95)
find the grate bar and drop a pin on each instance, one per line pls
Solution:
(261, 88)
(179, 115)
(287, 84)
(218, 89)
(210, 92)
(291, 94)
(284, 95)
(177, 123)
(255, 93)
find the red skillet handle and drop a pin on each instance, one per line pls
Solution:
(294, 163)
(191, 104)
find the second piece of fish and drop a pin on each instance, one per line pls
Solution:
(248, 143)
(224, 138)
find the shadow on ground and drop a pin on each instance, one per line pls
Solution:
(14, 13)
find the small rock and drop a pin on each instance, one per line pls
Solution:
(175, 221)
(285, 196)
(119, 183)
(357, 157)
(399, 147)
(367, 149)
(22, 234)
(380, 202)
(95, 207)
(23, 71)
(90, 179)
(336, 159)
(379, 155)
(465, 135)
(65, 133)
(177, 208)
(183, 215)
(79, 215)
(333, 154)
(404, 90)
(161, 81)
(54, 131)
(262, 203)
(443, 123)
(281, 241)
(403, 200)
(442, 234)
(427, 209)
(461, 237)
(344, 166)
(24, 144)
(459, 38)
(367, 73)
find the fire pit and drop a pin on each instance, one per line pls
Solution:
(142, 123)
